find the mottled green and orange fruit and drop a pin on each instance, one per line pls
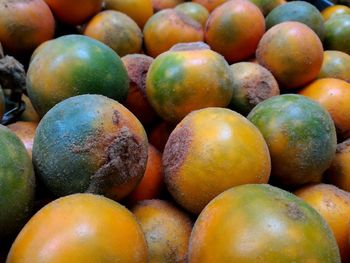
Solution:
(252, 84)
(139, 10)
(338, 173)
(210, 151)
(159, 134)
(73, 65)
(194, 10)
(152, 181)
(299, 11)
(261, 223)
(137, 66)
(337, 34)
(292, 52)
(24, 25)
(333, 204)
(300, 135)
(17, 183)
(209, 4)
(333, 95)
(234, 29)
(336, 64)
(179, 82)
(102, 143)
(335, 10)
(266, 6)
(74, 12)
(80, 228)
(159, 5)
(29, 113)
(116, 30)
(167, 28)
(167, 230)
(25, 132)
(2, 103)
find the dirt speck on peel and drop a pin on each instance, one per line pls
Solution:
(294, 212)
(116, 117)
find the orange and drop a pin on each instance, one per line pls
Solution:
(164, 4)
(194, 10)
(209, 4)
(335, 10)
(336, 64)
(159, 134)
(25, 131)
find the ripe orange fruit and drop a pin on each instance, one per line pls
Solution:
(25, 131)
(337, 33)
(159, 5)
(234, 29)
(159, 134)
(335, 10)
(209, 4)
(195, 11)
(336, 64)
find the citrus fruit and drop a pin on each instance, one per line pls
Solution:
(25, 132)
(336, 64)
(335, 10)
(195, 11)
(337, 34)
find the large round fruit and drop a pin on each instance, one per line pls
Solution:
(209, 4)
(333, 95)
(80, 228)
(90, 143)
(227, 29)
(300, 135)
(139, 10)
(210, 151)
(299, 11)
(24, 25)
(292, 52)
(336, 64)
(179, 82)
(337, 34)
(74, 12)
(167, 28)
(333, 205)
(2, 104)
(17, 184)
(261, 223)
(167, 230)
(116, 30)
(194, 10)
(74, 65)
(335, 10)
(25, 132)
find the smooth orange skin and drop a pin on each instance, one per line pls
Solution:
(336, 64)
(152, 181)
(234, 29)
(333, 204)
(292, 52)
(25, 131)
(139, 10)
(338, 173)
(74, 12)
(24, 25)
(116, 30)
(164, 4)
(159, 134)
(167, 230)
(335, 10)
(209, 4)
(167, 28)
(210, 151)
(80, 228)
(333, 95)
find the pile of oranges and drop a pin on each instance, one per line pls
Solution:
(175, 131)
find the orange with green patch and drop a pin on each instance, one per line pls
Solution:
(333, 95)
(167, 28)
(24, 25)
(300, 135)
(336, 64)
(335, 10)
(292, 52)
(210, 151)
(266, 6)
(210, 4)
(116, 30)
(194, 10)
(333, 204)
(178, 82)
(80, 228)
(337, 33)
(234, 29)
(261, 223)
(167, 230)
(102, 143)
(139, 10)
(73, 65)
(25, 131)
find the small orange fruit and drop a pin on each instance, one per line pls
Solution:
(336, 64)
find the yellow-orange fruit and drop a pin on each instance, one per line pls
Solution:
(210, 151)
(159, 134)
(165, 4)
(336, 64)
(167, 230)
(25, 131)
(335, 10)
(209, 4)
(333, 204)
(29, 113)
(194, 10)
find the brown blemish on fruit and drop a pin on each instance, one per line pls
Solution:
(116, 117)
(294, 212)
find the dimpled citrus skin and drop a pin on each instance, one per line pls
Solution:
(80, 228)
(210, 151)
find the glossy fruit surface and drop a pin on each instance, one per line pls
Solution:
(337, 34)
(195, 11)
(335, 10)
(336, 64)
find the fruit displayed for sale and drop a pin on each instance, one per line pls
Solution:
(226, 30)
(209, 4)
(195, 11)
(29, 113)
(17, 184)
(261, 223)
(300, 135)
(159, 5)
(159, 134)
(25, 132)
(80, 228)
(90, 143)
(337, 34)
(336, 64)
(73, 65)
(210, 151)
(266, 6)
(178, 82)
(167, 230)
(335, 10)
